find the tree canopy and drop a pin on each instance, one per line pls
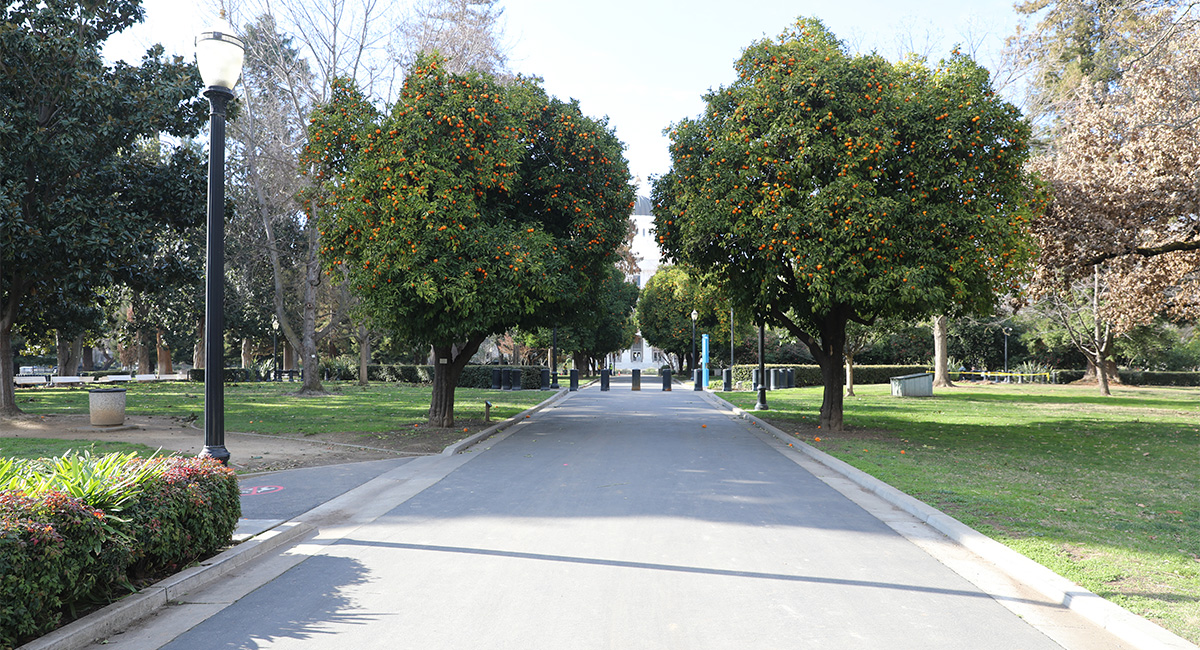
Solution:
(471, 208)
(664, 312)
(821, 188)
(73, 211)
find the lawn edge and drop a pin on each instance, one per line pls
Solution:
(1122, 623)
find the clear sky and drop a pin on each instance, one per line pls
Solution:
(647, 63)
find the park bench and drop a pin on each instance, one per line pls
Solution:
(70, 380)
(145, 377)
(115, 378)
(31, 380)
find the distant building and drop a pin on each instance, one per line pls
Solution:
(645, 247)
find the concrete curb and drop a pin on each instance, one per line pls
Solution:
(119, 615)
(1122, 623)
(463, 444)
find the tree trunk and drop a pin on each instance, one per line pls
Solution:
(829, 352)
(198, 350)
(308, 335)
(364, 353)
(289, 355)
(87, 356)
(849, 375)
(142, 351)
(165, 365)
(451, 359)
(69, 353)
(8, 399)
(941, 372)
(247, 353)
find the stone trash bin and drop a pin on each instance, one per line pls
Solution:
(107, 406)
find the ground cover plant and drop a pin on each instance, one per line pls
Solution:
(272, 408)
(1103, 491)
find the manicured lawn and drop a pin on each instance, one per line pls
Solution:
(266, 407)
(53, 447)
(1104, 491)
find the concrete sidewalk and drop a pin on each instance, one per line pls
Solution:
(611, 520)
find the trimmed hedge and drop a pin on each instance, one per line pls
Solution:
(57, 552)
(1159, 378)
(231, 376)
(472, 376)
(810, 375)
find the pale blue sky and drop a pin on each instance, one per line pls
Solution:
(646, 64)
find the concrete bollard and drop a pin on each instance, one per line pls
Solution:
(604, 375)
(574, 379)
(545, 379)
(666, 379)
(697, 379)
(637, 379)
(727, 376)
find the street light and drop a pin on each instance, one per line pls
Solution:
(275, 347)
(219, 55)
(694, 317)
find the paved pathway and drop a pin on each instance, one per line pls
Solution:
(611, 520)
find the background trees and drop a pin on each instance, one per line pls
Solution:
(67, 125)
(664, 313)
(471, 208)
(822, 188)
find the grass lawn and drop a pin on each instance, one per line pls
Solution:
(1104, 491)
(53, 447)
(266, 407)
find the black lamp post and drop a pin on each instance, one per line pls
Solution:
(761, 405)
(275, 347)
(693, 362)
(219, 55)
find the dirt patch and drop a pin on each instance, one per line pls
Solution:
(249, 452)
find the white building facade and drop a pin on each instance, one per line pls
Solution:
(645, 247)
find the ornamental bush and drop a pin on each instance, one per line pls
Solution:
(58, 551)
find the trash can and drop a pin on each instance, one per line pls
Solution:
(516, 379)
(506, 382)
(496, 379)
(107, 406)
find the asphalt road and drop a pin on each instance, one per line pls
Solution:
(616, 520)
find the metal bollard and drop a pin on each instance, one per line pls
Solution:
(604, 375)
(574, 379)
(637, 379)
(516, 379)
(727, 375)
(666, 378)
(697, 379)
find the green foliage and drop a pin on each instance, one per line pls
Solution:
(74, 529)
(809, 375)
(70, 190)
(473, 207)
(664, 311)
(821, 188)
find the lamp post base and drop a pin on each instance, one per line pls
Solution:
(219, 452)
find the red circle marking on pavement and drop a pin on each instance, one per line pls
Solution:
(260, 489)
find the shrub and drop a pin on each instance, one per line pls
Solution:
(54, 551)
(58, 550)
(231, 375)
(190, 510)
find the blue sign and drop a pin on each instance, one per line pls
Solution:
(704, 363)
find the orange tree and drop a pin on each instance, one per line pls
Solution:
(471, 208)
(822, 188)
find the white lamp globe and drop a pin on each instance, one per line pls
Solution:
(219, 55)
